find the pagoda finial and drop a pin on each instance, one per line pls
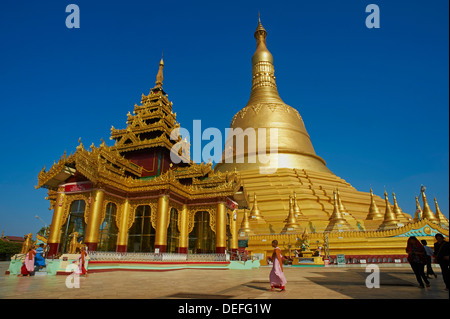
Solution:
(397, 211)
(342, 208)
(291, 221)
(374, 212)
(159, 76)
(418, 213)
(264, 88)
(439, 215)
(337, 214)
(427, 213)
(297, 210)
(390, 220)
(337, 220)
(245, 225)
(255, 214)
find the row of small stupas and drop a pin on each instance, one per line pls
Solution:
(393, 217)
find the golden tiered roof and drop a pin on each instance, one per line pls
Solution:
(149, 127)
(103, 165)
(151, 123)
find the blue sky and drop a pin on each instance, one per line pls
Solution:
(374, 101)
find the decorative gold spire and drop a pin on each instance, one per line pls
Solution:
(374, 212)
(159, 76)
(291, 221)
(255, 214)
(245, 225)
(439, 215)
(337, 220)
(418, 213)
(297, 211)
(397, 210)
(390, 220)
(264, 88)
(342, 208)
(337, 215)
(427, 212)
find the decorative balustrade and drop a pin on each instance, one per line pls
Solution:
(149, 257)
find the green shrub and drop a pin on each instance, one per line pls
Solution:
(8, 249)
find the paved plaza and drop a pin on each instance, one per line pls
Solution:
(303, 283)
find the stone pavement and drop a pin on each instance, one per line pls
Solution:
(303, 283)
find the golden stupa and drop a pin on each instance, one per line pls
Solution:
(298, 168)
(329, 205)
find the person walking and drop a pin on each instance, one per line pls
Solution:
(277, 279)
(441, 255)
(429, 253)
(82, 262)
(417, 260)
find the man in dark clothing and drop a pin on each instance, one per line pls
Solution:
(441, 254)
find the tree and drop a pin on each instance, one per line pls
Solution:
(8, 249)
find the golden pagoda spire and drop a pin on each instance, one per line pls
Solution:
(255, 214)
(159, 76)
(337, 214)
(374, 212)
(291, 221)
(397, 210)
(390, 220)
(427, 213)
(264, 88)
(418, 213)
(342, 208)
(297, 211)
(245, 225)
(439, 215)
(337, 220)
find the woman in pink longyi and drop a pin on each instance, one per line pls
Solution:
(28, 264)
(277, 279)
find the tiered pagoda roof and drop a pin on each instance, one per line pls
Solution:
(148, 131)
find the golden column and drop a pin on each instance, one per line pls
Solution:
(161, 223)
(221, 228)
(184, 231)
(55, 227)
(93, 223)
(234, 233)
(122, 236)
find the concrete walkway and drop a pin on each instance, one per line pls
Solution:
(303, 283)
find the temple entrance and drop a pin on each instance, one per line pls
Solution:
(108, 230)
(75, 223)
(141, 237)
(202, 239)
(173, 234)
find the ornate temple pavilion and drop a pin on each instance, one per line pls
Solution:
(132, 196)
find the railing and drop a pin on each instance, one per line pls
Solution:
(149, 257)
